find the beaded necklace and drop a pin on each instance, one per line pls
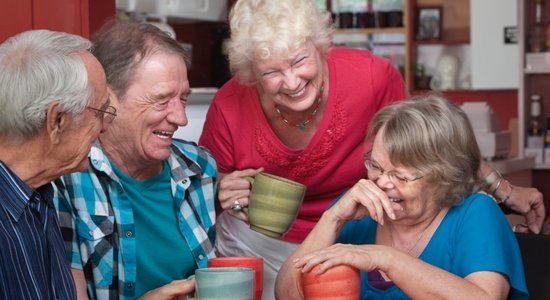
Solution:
(302, 125)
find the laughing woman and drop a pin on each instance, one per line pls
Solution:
(417, 227)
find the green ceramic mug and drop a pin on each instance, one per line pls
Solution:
(224, 283)
(274, 203)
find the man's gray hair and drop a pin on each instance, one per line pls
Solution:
(38, 67)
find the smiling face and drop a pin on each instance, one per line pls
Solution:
(152, 109)
(292, 84)
(416, 197)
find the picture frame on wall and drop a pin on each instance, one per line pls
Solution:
(429, 20)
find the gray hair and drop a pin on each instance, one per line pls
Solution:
(39, 67)
(434, 136)
(120, 47)
(261, 29)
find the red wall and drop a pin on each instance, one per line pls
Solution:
(81, 17)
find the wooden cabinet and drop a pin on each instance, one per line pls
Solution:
(534, 72)
(453, 38)
(534, 76)
(82, 17)
(393, 45)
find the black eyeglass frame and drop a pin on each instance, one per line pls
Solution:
(108, 114)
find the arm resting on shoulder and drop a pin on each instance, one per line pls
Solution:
(526, 201)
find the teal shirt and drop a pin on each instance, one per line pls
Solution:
(162, 254)
(474, 236)
(96, 217)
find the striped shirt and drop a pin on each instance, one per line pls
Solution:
(97, 219)
(33, 264)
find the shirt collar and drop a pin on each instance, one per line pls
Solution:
(15, 193)
(182, 166)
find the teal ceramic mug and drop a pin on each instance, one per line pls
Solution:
(274, 203)
(224, 283)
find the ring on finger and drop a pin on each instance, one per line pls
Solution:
(236, 206)
(515, 227)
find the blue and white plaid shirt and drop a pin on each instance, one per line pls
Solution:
(97, 221)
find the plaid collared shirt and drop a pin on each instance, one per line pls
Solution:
(97, 221)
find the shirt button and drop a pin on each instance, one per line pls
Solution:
(128, 235)
(130, 285)
(201, 256)
(185, 181)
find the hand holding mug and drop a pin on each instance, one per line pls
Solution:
(274, 204)
(234, 191)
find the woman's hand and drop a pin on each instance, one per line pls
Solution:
(362, 257)
(235, 188)
(175, 290)
(364, 199)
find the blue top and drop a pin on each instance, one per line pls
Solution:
(97, 219)
(32, 258)
(168, 257)
(474, 236)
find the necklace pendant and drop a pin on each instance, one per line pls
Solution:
(301, 126)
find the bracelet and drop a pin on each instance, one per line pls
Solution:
(498, 185)
(503, 201)
(492, 177)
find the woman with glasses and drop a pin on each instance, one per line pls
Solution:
(418, 226)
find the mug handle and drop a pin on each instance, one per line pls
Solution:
(251, 180)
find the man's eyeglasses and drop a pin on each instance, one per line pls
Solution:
(375, 171)
(108, 114)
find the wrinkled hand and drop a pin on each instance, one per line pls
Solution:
(529, 203)
(175, 290)
(365, 198)
(363, 257)
(235, 187)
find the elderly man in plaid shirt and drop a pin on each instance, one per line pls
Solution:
(141, 219)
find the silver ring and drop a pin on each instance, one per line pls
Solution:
(236, 206)
(514, 228)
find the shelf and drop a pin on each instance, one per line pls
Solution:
(442, 42)
(542, 167)
(537, 71)
(371, 30)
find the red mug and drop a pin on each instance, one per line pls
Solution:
(340, 282)
(254, 262)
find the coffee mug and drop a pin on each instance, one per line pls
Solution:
(340, 282)
(274, 203)
(224, 283)
(254, 262)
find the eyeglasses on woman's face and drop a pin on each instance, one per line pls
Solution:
(108, 114)
(375, 171)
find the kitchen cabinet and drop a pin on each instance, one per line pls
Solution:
(375, 31)
(488, 61)
(82, 17)
(454, 39)
(534, 76)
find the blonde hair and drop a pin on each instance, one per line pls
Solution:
(262, 29)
